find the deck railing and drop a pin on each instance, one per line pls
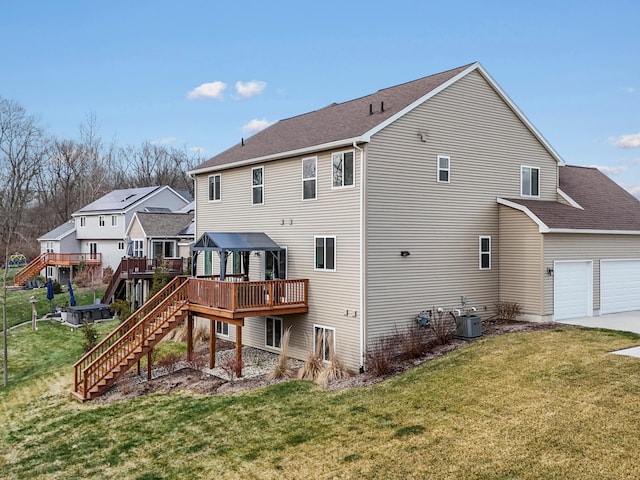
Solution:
(55, 259)
(242, 296)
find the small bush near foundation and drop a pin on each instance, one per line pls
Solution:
(335, 370)
(313, 364)
(379, 358)
(282, 368)
(414, 342)
(229, 366)
(169, 361)
(443, 326)
(506, 311)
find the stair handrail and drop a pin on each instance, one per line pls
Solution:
(23, 274)
(126, 325)
(115, 279)
(132, 339)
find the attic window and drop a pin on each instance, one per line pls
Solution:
(529, 181)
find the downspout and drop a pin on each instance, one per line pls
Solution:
(361, 307)
(194, 257)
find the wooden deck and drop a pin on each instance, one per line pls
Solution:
(183, 298)
(57, 260)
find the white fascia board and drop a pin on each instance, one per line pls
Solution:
(279, 155)
(127, 230)
(542, 227)
(570, 200)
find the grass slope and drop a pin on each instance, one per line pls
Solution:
(532, 405)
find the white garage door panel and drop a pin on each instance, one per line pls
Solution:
(572, 290)
(619, 286)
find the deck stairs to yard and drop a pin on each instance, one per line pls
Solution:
(56, 259)
(133, 339)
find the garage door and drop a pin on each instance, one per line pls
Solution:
(619, 286)
(572, 289)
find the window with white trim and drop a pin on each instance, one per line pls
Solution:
(343, 169)
(114, 220)
(164, 248)
(309, 178)
(101, 221)
(222, 328)
(325, 254)
(120, 245)
(83, 221)
(257, 186)
(484, 251)
(138, 248)
(49, 247)
(49, 272)
(324, 342)
(529, 181)
(215, 188)
(273, 332)
(444, 168)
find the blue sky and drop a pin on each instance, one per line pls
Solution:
(168, 71)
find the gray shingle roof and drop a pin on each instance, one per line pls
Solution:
(164, 224)
(59, 232)
(338, 121)
(606, 205)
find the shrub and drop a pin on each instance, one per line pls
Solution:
(335, 370)
(313, 364)
(122, 308)
(169, 361)
(414, 342)
(443, 326)
(107, 275)
(57, 288)
(90, 336)
(379, 357)
(229, 365)
(506, 311)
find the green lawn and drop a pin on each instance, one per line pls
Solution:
(533, 405)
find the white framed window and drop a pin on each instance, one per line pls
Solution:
(484, 252)
(114, 220)
(325, 253)
(83, 221)
(257, 186)
(120, 245)
(273, 332)
(343, 169)
(101, 220)
(93, 250)
(529, 181)
(49, 247)
(309, 178)
(49, 272)
(444, 169)
(324, 341)
(222, 329)
(215, 188)
(138, 248)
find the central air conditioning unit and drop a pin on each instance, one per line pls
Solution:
(468, 326)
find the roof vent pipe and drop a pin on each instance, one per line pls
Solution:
(381, 107)
(371, 109)
(242, 141)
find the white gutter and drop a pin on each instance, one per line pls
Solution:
(276, 156)
(361, 307)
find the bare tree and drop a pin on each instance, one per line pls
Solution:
(22, 147)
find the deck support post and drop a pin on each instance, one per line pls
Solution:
(212, 343)
(149, 354)
(238, 351)
(189, 337)
(138, 368)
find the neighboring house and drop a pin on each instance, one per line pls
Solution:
(161, 239)
(101, 225)
(61, 239)
(432, 193)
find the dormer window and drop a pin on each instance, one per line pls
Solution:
(529, 181)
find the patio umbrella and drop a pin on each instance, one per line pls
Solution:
(72, 298)
(50, 293)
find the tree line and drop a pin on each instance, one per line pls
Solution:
(44, 179)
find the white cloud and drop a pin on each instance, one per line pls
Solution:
(199, 150)
(213, 90)
(629, 89)
(255, 126)
(626, 141)
(634, 190)
(164, 141)
(250, 89)
(607, 170)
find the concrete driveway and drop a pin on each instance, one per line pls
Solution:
(625, 321)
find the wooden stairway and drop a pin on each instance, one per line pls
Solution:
(30, 270)
(125, 346)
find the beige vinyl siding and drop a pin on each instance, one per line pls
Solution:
(439, 223)
(293, 223)
(585, 247)
(136, 230)
(521, 272)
